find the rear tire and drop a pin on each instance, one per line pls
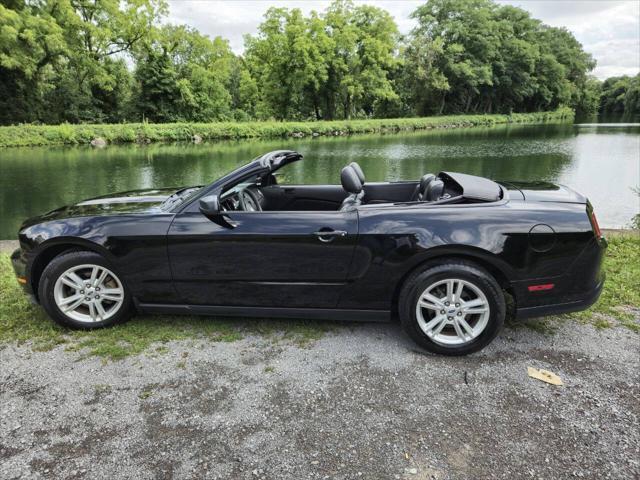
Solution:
(452, 308)
(80, 289)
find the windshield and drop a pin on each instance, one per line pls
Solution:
(257, 169)
(178, 197)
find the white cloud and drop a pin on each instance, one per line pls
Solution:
(610, 30)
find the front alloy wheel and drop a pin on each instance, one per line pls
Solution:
(88, 293)
(81, 289)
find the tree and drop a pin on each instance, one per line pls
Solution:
(365, 42)
(514, 65)
(184, 75)
(63, 60)
(477, 56)
(98, 30)
(244, 91)
(589, 99)
(632, 97)
(338, 63)
(157, 93)
(467, 32)
(575, 61)
(620, 95)
(287, 60)
(112, 61)
(98, 35)
(31, 42)
(423, 84)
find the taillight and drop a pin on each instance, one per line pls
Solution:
(594, 224)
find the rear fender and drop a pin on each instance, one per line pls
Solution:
(501, 271)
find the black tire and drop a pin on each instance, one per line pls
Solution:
(419, 281)
(61, 264)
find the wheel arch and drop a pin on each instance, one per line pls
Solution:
(478, 256)
(54, 248)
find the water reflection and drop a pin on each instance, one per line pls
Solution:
(600, 161)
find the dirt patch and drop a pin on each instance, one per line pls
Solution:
(361, 402)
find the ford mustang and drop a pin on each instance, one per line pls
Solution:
(448, 255)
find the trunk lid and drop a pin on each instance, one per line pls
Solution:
(546, 192)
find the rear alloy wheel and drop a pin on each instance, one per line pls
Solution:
(452, 312)
(453, 308)
(79, 289)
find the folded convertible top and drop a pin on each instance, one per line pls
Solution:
(474, 188)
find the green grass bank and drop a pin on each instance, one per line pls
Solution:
(21, 322)
(67, 134)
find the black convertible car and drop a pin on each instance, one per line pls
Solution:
(450, 254)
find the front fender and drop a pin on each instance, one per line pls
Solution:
(37, 259)
(136, 245)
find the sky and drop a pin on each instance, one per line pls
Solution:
(608, 29)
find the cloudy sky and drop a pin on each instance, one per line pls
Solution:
(609, 29)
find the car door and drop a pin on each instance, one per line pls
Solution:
(268, 259)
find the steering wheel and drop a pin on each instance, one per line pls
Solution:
(249, 201)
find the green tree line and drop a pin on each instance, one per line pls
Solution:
(620, 95)
(112, 61)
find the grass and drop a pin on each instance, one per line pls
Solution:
(145, 394)
(67, 134)
(619, 302)
(620, 298)
(23, 323)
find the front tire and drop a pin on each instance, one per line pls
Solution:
(82, 290)
(452, 308)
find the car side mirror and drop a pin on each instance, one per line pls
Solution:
(210, 205)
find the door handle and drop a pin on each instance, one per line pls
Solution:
(329, 235)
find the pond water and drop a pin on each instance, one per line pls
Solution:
(601, 161)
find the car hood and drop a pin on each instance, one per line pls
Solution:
(135, 201)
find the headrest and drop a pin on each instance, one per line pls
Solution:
(358, 170)
(435, 190)
(425, 180)
(350, 180)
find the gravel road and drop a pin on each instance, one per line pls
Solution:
(8, 246)
(362, 402)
